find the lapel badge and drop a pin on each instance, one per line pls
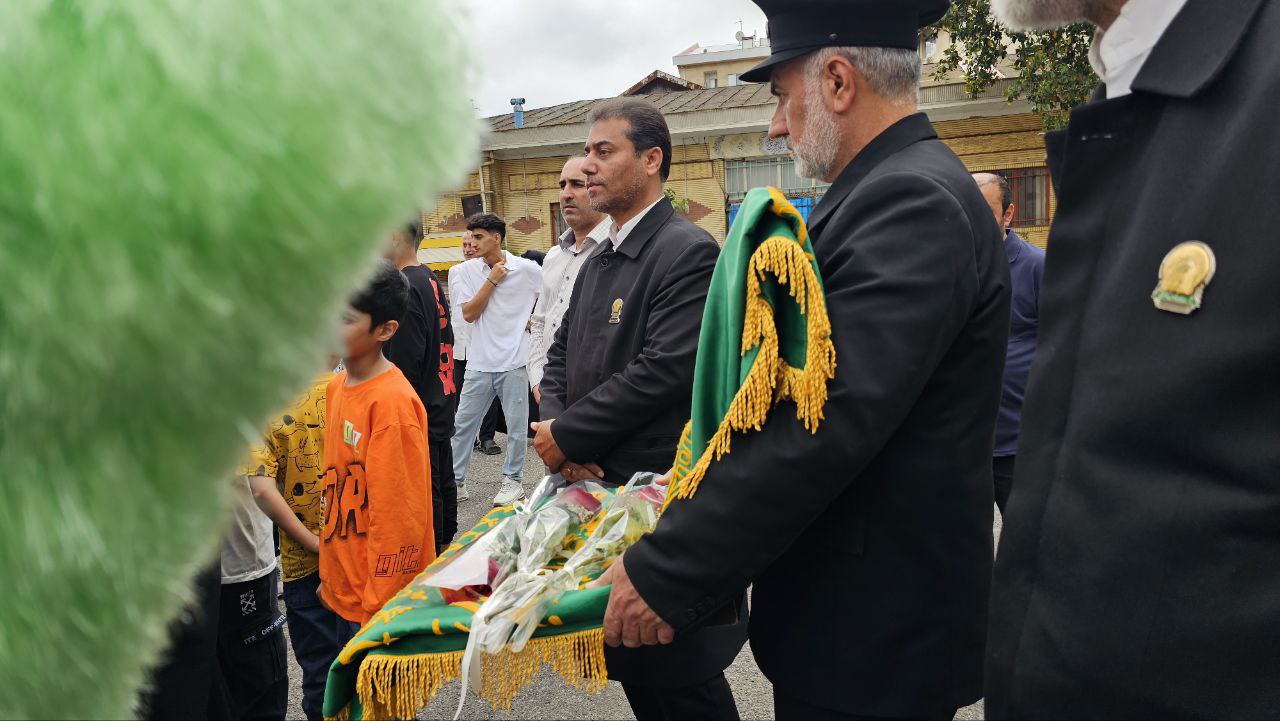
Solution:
(616, 315)
(1184, 273)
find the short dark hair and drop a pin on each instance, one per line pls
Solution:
(648, 126)
(489, 222)
(385, 297)
(412, 231)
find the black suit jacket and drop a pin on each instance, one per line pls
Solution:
(1138, 569)
(619, 384)
(869, 542)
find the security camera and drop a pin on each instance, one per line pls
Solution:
(517, 101)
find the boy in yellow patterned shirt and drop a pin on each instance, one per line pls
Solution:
(285, 477)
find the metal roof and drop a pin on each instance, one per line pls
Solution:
(687, 101)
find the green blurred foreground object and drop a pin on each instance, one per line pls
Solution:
(190, 191)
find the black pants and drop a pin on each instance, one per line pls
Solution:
(188, 684)
(1002, 469)
(313, 634)
(711, 699)
(444, 494)
(786, 708)
(251, 649)
(489, 425)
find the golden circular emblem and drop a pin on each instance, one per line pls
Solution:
(1184, 273)
(1186, 267)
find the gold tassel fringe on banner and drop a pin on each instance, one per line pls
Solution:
(396, 687)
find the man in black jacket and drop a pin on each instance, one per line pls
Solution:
(423, 350)
(868, 542)
(618, 382)
(1137, 574)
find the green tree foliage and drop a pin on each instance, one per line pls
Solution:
(1053, 68)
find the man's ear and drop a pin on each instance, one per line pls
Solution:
(652, 159)
(839, 84)
(1009, 214)
(383, 333)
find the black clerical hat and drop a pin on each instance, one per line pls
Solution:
(798, 27)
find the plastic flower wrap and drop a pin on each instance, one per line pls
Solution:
(542, 533)
(512, 614)
(525, 541)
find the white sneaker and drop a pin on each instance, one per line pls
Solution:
(463, 493)
(510, 492)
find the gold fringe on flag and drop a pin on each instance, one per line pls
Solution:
(396, 687)
(771, 380)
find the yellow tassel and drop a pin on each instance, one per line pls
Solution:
(397, 687)
(771, 380)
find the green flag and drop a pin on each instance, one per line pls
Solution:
(765, 336)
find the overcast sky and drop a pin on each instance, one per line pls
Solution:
(556, 51)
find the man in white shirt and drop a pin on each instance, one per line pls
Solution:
(496, 292)
(587, 229)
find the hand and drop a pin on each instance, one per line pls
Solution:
(537, 395)
(312, 545)
(574, 472)
(498, 271)
(628, 620)
(545, 445)
(665, 478)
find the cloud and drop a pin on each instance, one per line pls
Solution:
(552, 52)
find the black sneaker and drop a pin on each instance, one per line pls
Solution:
(490, 448)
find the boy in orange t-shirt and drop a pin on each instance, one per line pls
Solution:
(377, 531)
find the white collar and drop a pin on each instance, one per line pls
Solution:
(598, 235)
(617, 235)
(1118, 54)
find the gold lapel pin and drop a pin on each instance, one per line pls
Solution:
(616, 315)
(1184, 273)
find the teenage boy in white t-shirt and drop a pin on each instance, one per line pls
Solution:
(496, 292)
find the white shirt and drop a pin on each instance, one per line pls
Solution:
(1118, 54)
(619, 234)
(461, 328)
(499, 339)
(559, 271)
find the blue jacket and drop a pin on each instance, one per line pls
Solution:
(1026, 269)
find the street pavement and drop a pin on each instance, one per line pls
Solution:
(549, 697)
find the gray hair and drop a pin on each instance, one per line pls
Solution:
(893, 73)
(1001, 182)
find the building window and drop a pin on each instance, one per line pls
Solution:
(1030, 195)
(928, 47)
(471, 204)
(557, 222)
(733, 79)
(710, 79)
(743, 175)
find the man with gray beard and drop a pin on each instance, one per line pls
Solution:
(1137, 574)
(868, 542)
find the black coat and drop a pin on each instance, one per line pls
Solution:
(869, 543)
(620, 391)
(1139, 566)
(619, 384)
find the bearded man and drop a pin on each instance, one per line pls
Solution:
(868, 542)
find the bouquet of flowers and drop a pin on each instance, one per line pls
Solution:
(525, 541)
(512, 614)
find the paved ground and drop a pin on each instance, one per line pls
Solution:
(549, 697)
